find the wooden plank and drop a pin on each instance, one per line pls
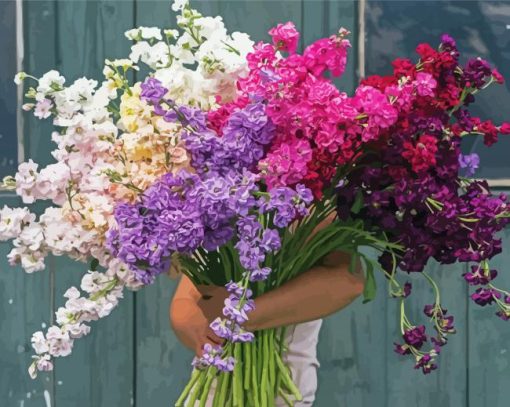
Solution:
(447, 385)
(24, 308)
(26, 299)
(100, 370)
(353, 349)
(488, 344)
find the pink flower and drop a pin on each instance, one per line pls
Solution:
(425, 84)
(287, 164)
(43, 109)
(504, 128)
(285, 37)
(497, 76)
(375, 104)
(327, 54)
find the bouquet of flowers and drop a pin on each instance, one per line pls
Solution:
(226, 157)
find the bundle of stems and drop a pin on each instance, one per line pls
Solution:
(260, 373)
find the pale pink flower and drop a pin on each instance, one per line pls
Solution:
(43, 109)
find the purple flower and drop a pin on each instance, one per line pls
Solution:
(225, 365)
(153, 91)
(469, 163)
(236, 310)
(478, 276)
(484, 296)
(415, 336)
(270, 241)
(425, 363)
(260, 274)
(407, 289)
(402, 349)
(220, 327)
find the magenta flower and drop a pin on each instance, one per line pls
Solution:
(285, 37)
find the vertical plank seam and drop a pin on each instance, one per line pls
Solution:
(20, 55)
(361, 38)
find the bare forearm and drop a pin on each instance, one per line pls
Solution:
(314, 294)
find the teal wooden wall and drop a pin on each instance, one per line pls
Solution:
(132, 357)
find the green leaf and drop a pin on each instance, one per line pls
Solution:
(370, 284)
(94, 264)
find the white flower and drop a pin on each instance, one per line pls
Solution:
(50, 82)
(60, 344)
(77, 330)
(211, 26)
(52, 182)
(44, 364)
(26, 178)
(29, 261)
(43, 109)
(72, 293)
(32, 237)
(39, 343)
(179, 5)
(148, 33)
(171, 33)
(63, 316)
(12, 221)
(133, 34)
(19, 78)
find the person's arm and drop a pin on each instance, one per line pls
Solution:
(191, 312)
(314, 294)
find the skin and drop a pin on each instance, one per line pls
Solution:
(314, 294)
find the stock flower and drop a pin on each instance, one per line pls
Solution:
(285, 37)
(415, 336)
(484, 296)
(469, 163)
(478, 276)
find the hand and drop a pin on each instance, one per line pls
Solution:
(190, 319)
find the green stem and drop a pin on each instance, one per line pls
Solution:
(287, 380)
(182, 398)
(254, 374)
(224, 394)
(204, 396)
(247, 365)
(238, 377)
(198, 389)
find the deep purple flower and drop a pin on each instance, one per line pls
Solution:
(402, 349)
(478, 276)
(407, 289)
(484, 296)
(415, 336)
(425, 363)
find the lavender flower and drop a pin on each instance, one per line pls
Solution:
(469, 163)
(153, 91)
